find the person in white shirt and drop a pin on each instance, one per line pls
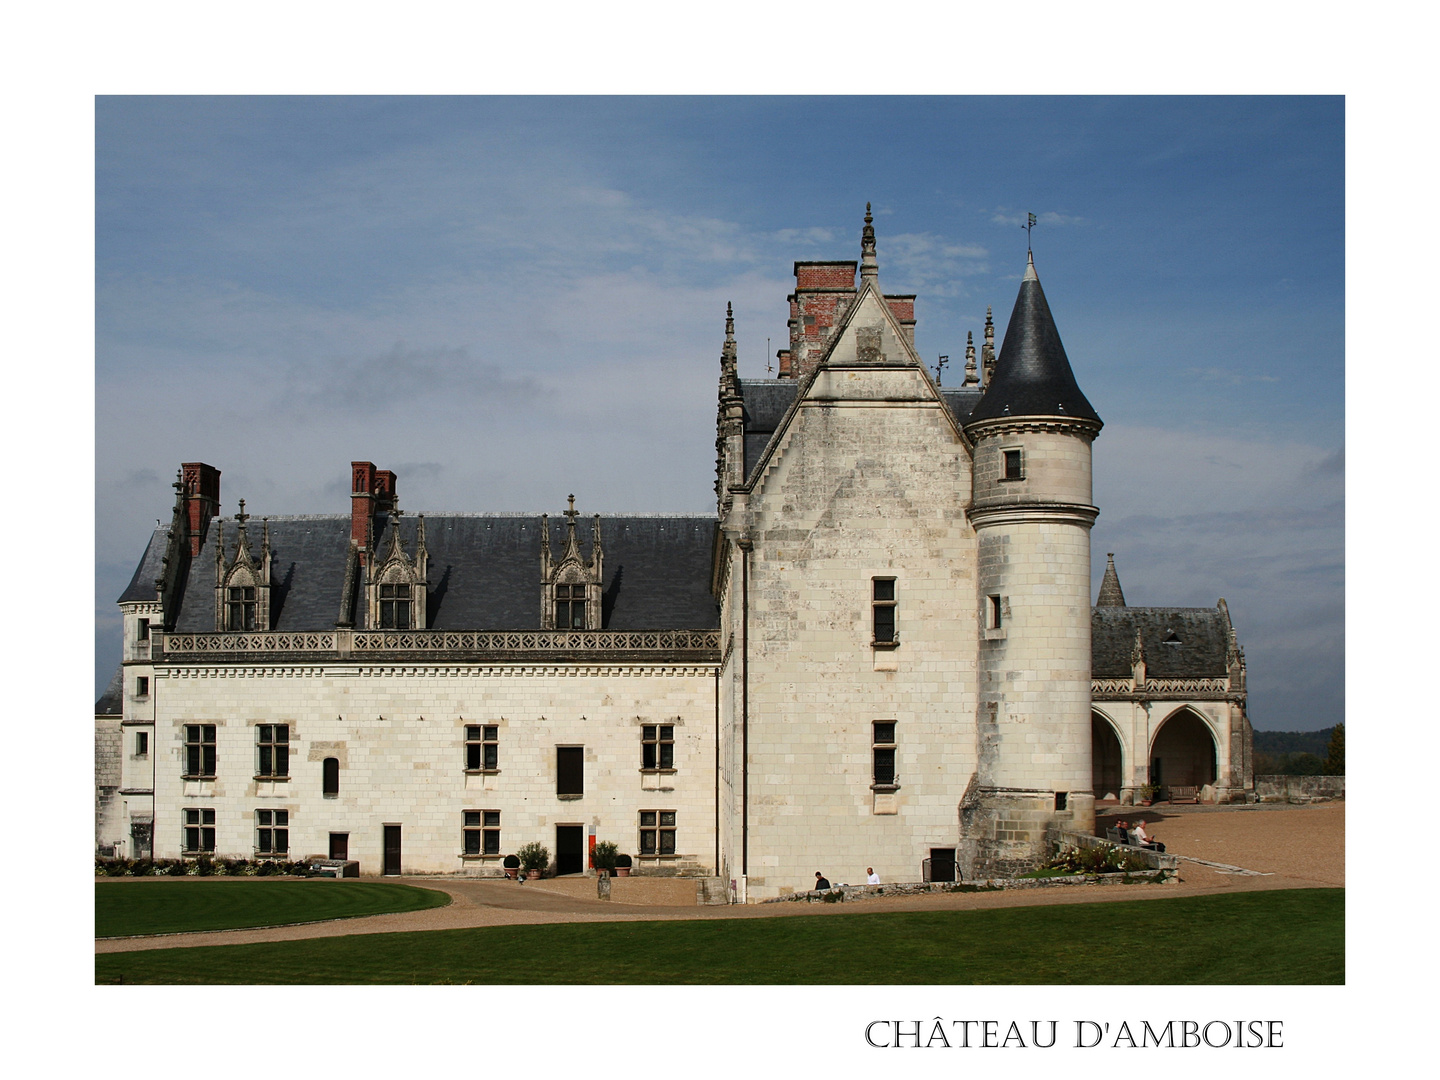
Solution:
(871, 878)
(1143, 839)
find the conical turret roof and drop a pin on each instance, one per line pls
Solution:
(1110, 594)
(1032, 375)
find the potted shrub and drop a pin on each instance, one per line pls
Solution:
(1147, 793)
(622, 865)
(605, 854)
(512, 867)
(534, 858)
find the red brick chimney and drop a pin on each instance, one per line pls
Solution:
(202, 499)
(787, 369)
(823, 292)
(372, 491)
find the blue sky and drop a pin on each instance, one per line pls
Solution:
(509, 299)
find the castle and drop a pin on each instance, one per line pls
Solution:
(880, 650)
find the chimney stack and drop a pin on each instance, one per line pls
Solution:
(202, 499)
(372, 491)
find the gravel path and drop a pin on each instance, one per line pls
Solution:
(1293, 847)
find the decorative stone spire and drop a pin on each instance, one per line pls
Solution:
(987, 351)
(971, 377)
(1110, 594)
(730, 416)
(869, 265)
(1137, 661)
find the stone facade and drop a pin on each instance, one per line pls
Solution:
(878, 652)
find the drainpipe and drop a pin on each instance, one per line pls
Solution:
(746, 545)
(717, 771)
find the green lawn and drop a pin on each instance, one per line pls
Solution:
(1285, 936)
(162, 906)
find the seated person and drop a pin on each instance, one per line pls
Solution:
(1144, 841)
(820, 881)
(1123, 828)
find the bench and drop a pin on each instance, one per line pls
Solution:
(1179, 794)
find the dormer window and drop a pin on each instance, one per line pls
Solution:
(570, 585)
(570, 607)
(240, 608)
(397, 587)
(395, 607)
(242, 582)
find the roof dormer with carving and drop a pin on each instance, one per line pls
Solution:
(396, 585)
(242, 582)
(570, 586)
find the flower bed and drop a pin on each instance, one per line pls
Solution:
(201, 867)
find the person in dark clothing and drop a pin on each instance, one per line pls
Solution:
(820, 882)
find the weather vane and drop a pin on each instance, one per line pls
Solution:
(940, 368)
(1028, 226)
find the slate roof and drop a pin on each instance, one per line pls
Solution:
(1032, 374)
(484, 571)
(1204, 635)
(765, 403)
(110, 703)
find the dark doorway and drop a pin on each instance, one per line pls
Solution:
(942, 864)
(140, 839)
(339, 845)
(1106, 759)
(392, 849)
(569, 849)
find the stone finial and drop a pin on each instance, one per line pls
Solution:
(1110, 592)
(1137, 650)
(971, 377)
(869, 265)
(987, 350)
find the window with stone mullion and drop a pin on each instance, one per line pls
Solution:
(570, 607)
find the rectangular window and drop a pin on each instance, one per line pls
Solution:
(272, 832)
(142, 744)
(330, 778)
(199, 833)
(884, 609)
(570, 607)
(274, 743)
(482, 747)
(200, 751)
(570, 770)
(882, 750)
(1013, 465)
(482, 832)
(240, 608)
(142, 686)
(395, 607)
(657, 746)
(142, 630)
(994, 612)
(657, 832)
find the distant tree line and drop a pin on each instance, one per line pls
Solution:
(1300, 753)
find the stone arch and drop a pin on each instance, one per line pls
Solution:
(1184, 750)
(1107, 755)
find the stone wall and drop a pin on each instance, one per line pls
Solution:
(1299, 789)
(398, 733)
(108, 739)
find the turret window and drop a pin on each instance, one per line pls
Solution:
(240, 608)
(1014, 465)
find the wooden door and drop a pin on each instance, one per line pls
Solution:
(339, 845)
(392, 849)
